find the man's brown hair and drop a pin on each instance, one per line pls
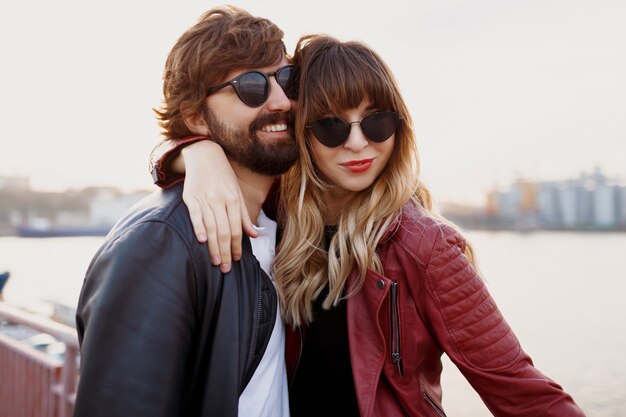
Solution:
(224, 39)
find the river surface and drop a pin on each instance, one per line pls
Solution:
(562, 293)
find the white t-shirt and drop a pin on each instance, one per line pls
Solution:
(266, 394)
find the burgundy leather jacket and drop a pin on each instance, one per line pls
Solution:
(430, 300)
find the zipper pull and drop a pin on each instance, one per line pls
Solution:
(397, 360)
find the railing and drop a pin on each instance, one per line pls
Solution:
(33, 384)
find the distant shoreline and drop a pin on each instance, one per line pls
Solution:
(488, 224)
(25, 232)
(536, 230)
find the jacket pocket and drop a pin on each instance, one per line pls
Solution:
(434, 405)
(394, 315)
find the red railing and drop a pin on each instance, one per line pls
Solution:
(33, 384)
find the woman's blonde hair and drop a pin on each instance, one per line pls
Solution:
(333, 76)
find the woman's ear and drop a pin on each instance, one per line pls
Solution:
(197, 124)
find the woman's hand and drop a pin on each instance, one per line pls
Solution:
(216, 206)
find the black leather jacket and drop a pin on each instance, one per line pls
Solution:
(162, 331)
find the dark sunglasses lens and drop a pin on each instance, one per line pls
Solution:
(283, 76)
(379, 127)
(252, 89)
(287, 81)
(331, 131)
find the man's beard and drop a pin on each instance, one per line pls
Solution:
(247, 149)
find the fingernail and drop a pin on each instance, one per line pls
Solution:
(225, 268)
(202, 238)
(215, 260)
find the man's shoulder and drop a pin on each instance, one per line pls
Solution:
(160, 207)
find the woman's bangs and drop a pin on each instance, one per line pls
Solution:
(342, 81)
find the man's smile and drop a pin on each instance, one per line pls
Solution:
(274, 128)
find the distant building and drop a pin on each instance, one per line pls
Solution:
(584, 204)
(548, 207)
(605, 204)
(14, 183)
(591, 201)
(72, 218)
(567, 204)
(105, 209)
(509, 202)
(621, 206)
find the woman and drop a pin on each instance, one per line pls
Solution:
(374, 285)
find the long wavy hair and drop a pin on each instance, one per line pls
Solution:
(333, 76)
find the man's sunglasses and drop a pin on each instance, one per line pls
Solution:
(334, 131)
(253, 87)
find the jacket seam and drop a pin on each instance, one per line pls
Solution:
(446, 266)
(466, 297)
(515, 346)
(484, 333)
(436, 298)
(482, 318)
(413, 255)
(445, 317)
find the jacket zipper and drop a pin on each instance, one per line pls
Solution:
(396, 358)
(434, 405)
(258, 310)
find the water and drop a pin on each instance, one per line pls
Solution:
(42, 270)
(562, 293)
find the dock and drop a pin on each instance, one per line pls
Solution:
(35, 383)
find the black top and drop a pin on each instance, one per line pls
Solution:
(323, 384)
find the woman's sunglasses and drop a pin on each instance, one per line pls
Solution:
(334, 131)
(253, 87)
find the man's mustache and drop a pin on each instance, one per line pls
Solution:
(273, 118)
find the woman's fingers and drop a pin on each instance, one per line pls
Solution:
(222, 235)
(211, 226)
(195, 215)
(246, 223)
(215, 201)
(233, 209)
(204, 226)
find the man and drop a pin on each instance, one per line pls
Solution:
(162, 331)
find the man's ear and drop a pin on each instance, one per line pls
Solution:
(197, 124)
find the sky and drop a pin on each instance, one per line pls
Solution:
(498, 89)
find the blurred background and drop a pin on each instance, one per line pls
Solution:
(519, 109)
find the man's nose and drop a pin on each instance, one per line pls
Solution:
(277, 100)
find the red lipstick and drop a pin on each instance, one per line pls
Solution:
(358, 166)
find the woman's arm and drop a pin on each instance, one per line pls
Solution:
(474, 334)
(211, 193)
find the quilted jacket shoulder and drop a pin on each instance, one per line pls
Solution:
(456, 307)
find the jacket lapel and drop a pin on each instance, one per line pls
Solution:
(367, 342)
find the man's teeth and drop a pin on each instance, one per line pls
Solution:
(274, 128)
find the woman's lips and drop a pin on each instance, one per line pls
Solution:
(358, 166)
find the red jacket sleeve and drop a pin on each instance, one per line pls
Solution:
(476, 337)
(163, 154)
